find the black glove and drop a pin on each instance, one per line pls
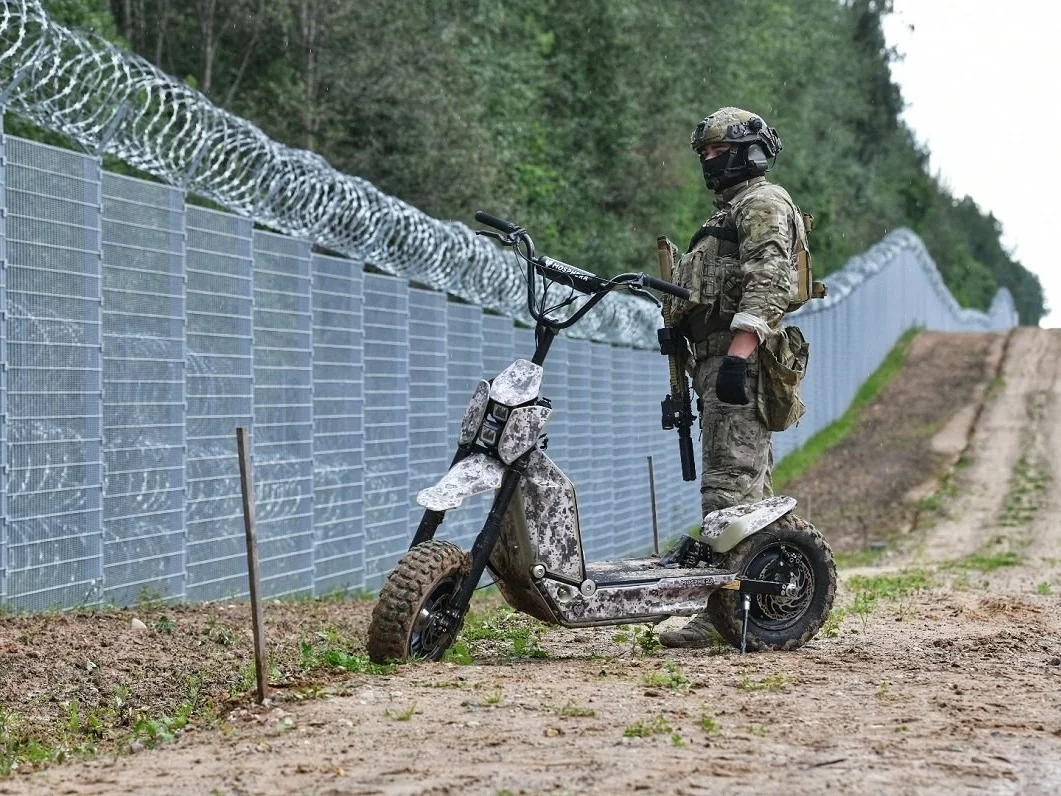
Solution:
(732, 377)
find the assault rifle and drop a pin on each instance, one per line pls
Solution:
(677, 406)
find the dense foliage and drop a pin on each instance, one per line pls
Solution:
(574, 118)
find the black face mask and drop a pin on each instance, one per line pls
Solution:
(722, 171)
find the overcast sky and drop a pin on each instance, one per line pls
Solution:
(981, 85)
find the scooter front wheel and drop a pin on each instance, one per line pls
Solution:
(790, 551)
(409, 620)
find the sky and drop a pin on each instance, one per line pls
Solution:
(982, 86)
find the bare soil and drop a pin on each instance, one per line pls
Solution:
(939, 673)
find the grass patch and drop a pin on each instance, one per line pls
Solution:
(892, 586)
(498, 630)
(800, 460)
(327, 649)
(672, 678)
(861, 558)
(573, 710)
(986, 562)
(831, 625)
(1026, 487)
(772, 682)
(899, 588)
(645, 729)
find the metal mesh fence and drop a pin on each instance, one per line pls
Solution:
(140, 332)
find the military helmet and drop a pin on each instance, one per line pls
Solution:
(752, 140)
(735, 126)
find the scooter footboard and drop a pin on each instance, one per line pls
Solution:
(621, 603)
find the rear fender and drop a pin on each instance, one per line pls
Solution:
(725, 528)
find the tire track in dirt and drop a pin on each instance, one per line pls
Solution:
(1016, 440)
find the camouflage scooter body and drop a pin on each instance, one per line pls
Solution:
(538, 560)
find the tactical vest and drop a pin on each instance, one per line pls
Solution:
(711, 270)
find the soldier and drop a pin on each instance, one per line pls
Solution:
(741, 269)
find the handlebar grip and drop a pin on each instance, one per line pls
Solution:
(667, 287)
(497, 223)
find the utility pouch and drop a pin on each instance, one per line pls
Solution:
(804, 286)
(782, 365)
(687, 274)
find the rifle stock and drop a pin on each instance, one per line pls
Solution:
(677, 406)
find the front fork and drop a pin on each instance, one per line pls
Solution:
(448, 621)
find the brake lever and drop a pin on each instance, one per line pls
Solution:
(644, 292)
(489, 233)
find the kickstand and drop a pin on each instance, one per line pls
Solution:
(747, 600)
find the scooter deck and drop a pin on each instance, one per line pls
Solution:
(640, 570)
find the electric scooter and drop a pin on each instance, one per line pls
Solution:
(765, 576)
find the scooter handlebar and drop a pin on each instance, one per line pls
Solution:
(667, 287)
(497, 223)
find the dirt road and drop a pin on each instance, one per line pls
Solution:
(941, 673)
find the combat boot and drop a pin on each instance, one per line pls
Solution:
(697, 634)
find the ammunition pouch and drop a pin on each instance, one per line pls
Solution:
(714, 283)
(782, 365)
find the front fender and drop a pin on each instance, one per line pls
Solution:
(726, 528)
(470, 476)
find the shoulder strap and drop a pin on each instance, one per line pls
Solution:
(722, 233)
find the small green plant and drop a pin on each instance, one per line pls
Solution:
(882, 691)
(756, 729)
(676, 739)
(1043, 589)
(149, 599)
(73, 716)
(493, 698)
(641, 638)
(658, 725)
(401, 715)
(672, 678)
(709, 724)
(574, 710)
(459, 652)
(831, 626)
(218, 633)
(164, 625)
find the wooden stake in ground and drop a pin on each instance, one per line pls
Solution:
(253, 575)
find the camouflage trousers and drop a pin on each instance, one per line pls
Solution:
(737, 452)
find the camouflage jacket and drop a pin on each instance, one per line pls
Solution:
(747, 283)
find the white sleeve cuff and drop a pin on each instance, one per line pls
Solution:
(751, 323)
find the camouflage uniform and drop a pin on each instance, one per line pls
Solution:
(742, 286)
(743, 275)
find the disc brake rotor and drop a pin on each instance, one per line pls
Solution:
(788, 566)
(428, 627)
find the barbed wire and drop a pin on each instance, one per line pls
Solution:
(115, 102)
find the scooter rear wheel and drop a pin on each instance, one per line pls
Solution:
(405, 622)
(789, 551)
